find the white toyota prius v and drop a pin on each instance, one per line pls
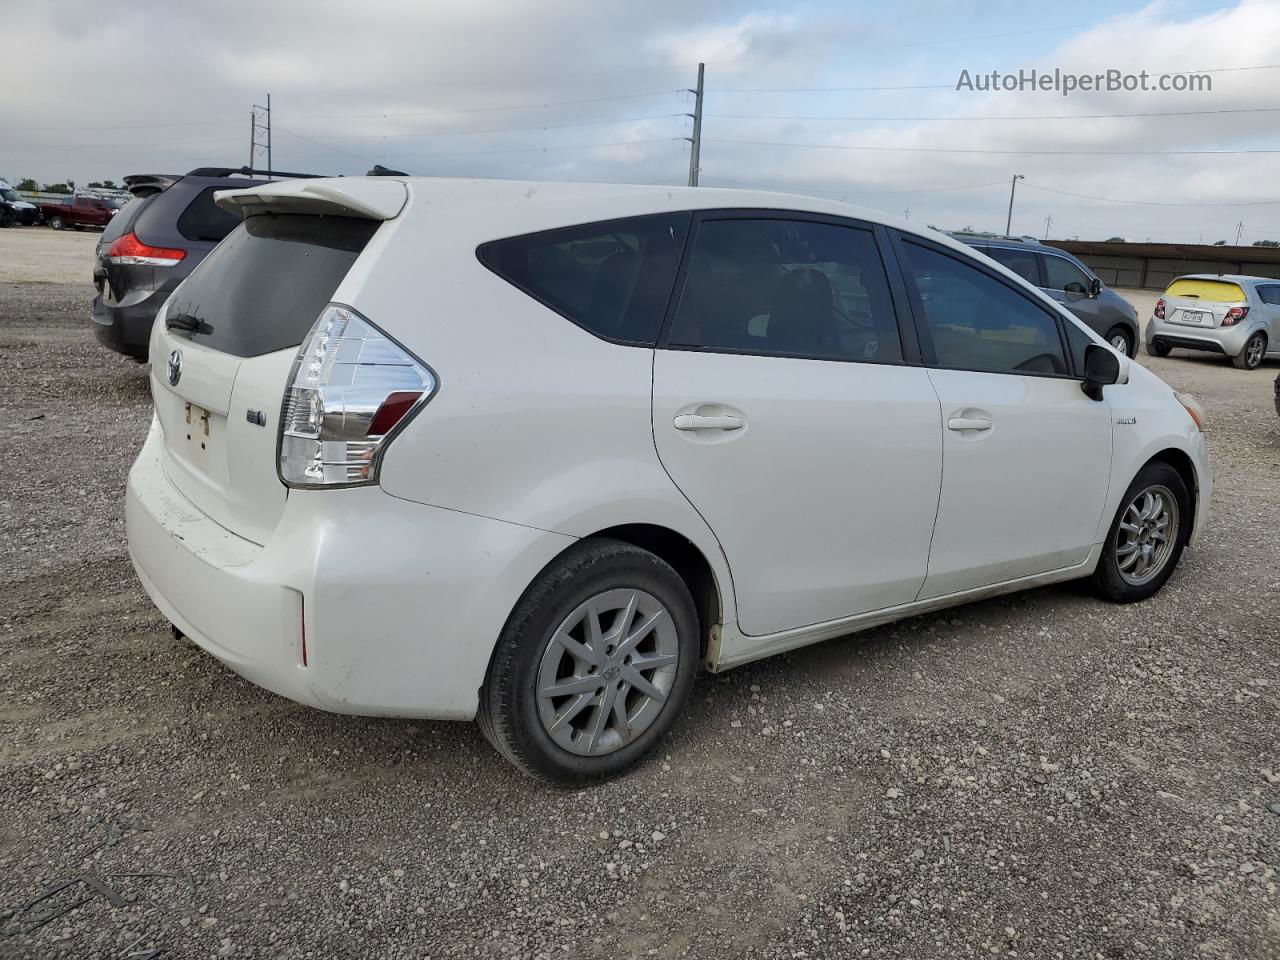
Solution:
(535, 454)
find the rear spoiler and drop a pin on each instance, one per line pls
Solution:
(372, 199)
(145, 184)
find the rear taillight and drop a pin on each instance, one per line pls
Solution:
(350, 389)
(1160, 309)
(129, 250)
(1234, 316)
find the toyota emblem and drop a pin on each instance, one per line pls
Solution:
(175, 367)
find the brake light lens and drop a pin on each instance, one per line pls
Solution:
(128, 250)
(1234, 316)
(1160, 309)
(350, 389)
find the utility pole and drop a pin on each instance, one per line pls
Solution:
(1048, 222)
(260, 123)
(1008, 223)
(695, 149)
(906, 214)
(1239, 231)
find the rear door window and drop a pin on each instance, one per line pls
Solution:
(787, 288)
(1021, 262)
(612, 278)
(205, 220)
(263, 287)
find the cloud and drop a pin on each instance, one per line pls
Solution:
(412, 85)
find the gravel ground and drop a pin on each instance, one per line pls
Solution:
(1037, 776)
(45, 255)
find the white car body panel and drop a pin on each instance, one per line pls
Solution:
(1040, 511)
(816, 522)
(861, 439)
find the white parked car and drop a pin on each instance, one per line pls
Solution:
(537, 453)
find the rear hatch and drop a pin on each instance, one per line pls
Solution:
(1201, 303)
(222, 352)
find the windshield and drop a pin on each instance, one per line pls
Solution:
(9, 194)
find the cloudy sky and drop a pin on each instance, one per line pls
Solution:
(854, 100)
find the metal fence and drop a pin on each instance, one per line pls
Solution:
(1152, 266)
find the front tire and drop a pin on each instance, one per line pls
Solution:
(1147, 536)
(593, 666)
(1120, 341)
(1255, 348)
(55, 222)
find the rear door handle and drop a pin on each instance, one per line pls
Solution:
(968, 423)
(692, 421)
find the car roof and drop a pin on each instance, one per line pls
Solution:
(1227, 277)
(537, 205)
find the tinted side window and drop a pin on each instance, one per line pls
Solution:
(1021, 262)
(1059, 272)
(205, 220)
(978, 323)
(787, 288)
(612, 278)
(1270, 294)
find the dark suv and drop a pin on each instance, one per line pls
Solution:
(153, 243)
(1068, 281)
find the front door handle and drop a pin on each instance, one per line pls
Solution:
(692, 421)
(968, 423)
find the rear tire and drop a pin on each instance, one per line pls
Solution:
(1158, 348)
(1255, 348)
(573, 631)
(1147, 536)
(1121, 340)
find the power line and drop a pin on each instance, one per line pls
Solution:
(1071, 116)
(862, 193)
(572, 146)
(1152, 203)
(947, 86)
(1045, 153)
(521, 106)
(491, 130)
(326, 146)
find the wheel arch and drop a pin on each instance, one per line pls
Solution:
(688, 561)
(1182, 463)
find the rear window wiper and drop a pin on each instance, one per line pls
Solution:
(187, 323)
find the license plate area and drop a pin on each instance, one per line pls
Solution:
(196, 436)
(1196, 318)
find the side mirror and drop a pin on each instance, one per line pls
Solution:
(1095, 287)
(1101, 367)
(1075, 290)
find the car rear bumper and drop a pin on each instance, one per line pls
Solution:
(397, 604)
(126, 329)
(1227, 341)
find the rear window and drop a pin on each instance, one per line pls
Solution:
(613, 278)
(121, 223)
(262, 288)
(205, 220)
(1215, 291)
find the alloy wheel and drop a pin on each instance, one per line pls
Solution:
(1253, 351)
(607, 671)
(1146, 534)
(1120, 343)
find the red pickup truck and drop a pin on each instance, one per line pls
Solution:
(78, 212)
